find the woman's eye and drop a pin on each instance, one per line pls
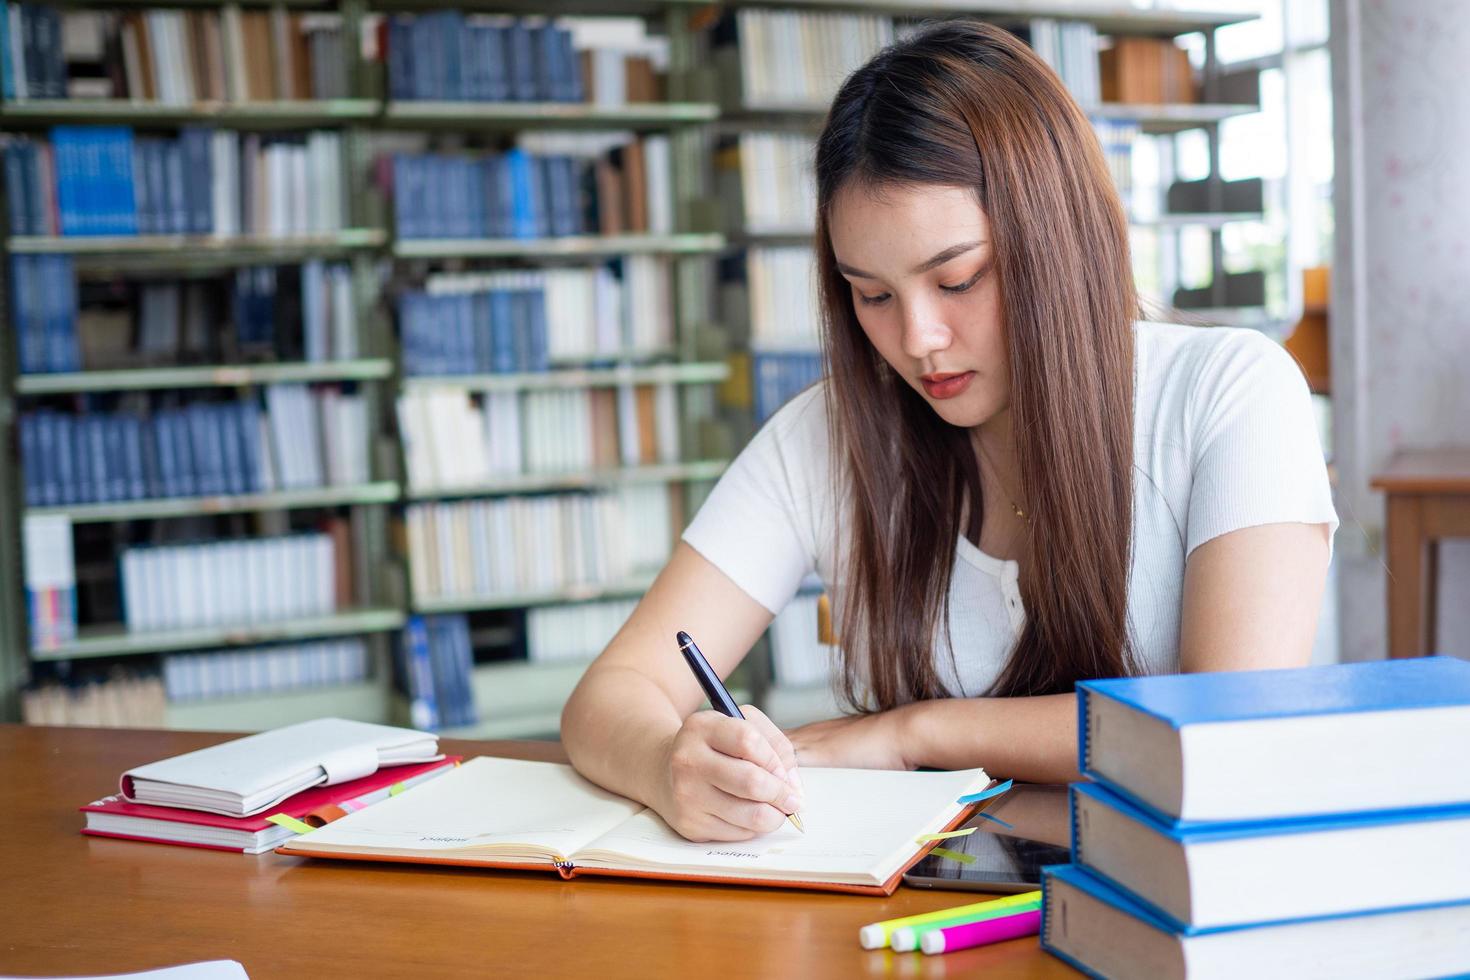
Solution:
(878, 300)
(966, 286)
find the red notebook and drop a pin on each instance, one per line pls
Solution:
(113, 816)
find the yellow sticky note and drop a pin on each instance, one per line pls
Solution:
(395, 789)
(947, 835)
(945, 852)
(290, 823)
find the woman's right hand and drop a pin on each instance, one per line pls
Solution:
(728, 779)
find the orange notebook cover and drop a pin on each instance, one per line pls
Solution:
(864, 829)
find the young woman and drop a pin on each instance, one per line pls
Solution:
(1007, 484)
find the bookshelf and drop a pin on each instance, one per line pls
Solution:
(709, 346)
(366, 121)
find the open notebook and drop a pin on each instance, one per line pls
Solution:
(861, 834)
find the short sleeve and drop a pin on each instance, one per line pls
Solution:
(758, 524)
(1257, 458)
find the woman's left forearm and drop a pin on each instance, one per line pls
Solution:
(1030, 739)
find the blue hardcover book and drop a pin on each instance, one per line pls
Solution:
(178, 188)
(418, 675)
(247, 423)
(504, 358)
(63, 349)
(79, 447)
(1210, 875)
(30, 457)
(16, 189)
(519, 168)
(117, 163)
(473, 183)
(135, 463)
(1105, 933)
(1184, 746)
(538, 352)
(405, 205)
(451, 69)
(53, 468)
(476, 74)
(7, 79)
(400, 72)
(158, 193)
(226, 425)
(165, 457)
(196, 144)
(538, 195)
(546, 62)
(520, 311)
(30, 317)
(421, 34)
(93, 428)
(482, 332)
(66, 176)
(560, 195)
(119, 478)
(496, 59)
(520, 53)
(143, 204)
(186, 477)
(576, 85)
(499, 201)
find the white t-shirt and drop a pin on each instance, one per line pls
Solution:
(1224, 438)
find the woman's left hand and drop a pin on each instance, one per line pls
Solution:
(873, 741)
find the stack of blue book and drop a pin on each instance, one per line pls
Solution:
(1310, 822)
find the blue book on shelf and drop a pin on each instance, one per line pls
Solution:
(119, 472)
(227, 425)
(28, 309)
(41, 190)
(418, 675)
(482, 337)
(576, 85)
(421, 34)
(538, 352)
(400, 75)
(15, 189)
(165, 458)
(117, 163)
(143, 189)
(451, 68)
(1105, 932)
(186, 478)
(520, 54)
(522, 169)
(63, 350)
(135, 458)
(178, 187)
(475, 74)
(198, 160)
(247, 426)
(493, 55)
(48, 446)
(94, 431)
(1182, 746)
(499, 197)
(30, 456)
(503, 346)
(74, 438)
(7, 80)
(547, 63)
(539, 198)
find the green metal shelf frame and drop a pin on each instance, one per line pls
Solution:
(697, 372)
(381, 492)
(415, 114)
(208, 376)
(116, 641)
(627, 589)
(275, 114)
(578, 480)
(570, 246)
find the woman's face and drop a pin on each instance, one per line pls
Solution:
(919, 262)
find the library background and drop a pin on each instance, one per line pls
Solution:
(367, 357)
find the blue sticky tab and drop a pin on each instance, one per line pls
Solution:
(986, 794)
(1006, 824)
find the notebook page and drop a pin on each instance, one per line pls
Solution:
(487, 803)
(860, 827)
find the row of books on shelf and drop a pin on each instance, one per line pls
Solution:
(452, 441)
(175, 57)
(102, 180)
(110, 697)
(1177, 871)
(508, 546)
(781, 296)
(235, 582)
(169, 323)
(298, 439)
(205, 675)
(1070, 48)
(518, 321)
(571, 634)
(788, 58)
(770, 175)
(448, 56)
(433, 670)
(590, 187)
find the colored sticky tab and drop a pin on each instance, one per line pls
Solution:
(1004, 823)
(289, 822)
(959, 856)
(395, 789)
(986, 794)
(947, 835)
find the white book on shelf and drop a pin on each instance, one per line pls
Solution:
(418, 573)
(313, 310)
(233, 37)
(480, 546)
(283, 588)
(627, 425)
(186, 575)
(301, 207)
(132, 578)
(501, 543)
(443, 549)
(417, 451)
(658, 162)
(666, 419)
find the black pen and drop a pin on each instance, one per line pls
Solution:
(719, 698)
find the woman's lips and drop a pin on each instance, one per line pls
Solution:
(947, 385)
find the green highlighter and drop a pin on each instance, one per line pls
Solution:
(878, 934)
(906, 938)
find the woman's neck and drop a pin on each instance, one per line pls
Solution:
(999, 529)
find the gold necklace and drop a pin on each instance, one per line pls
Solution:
(1014, 506)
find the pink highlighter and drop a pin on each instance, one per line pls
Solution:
(981, 933)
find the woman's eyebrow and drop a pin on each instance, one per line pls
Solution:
(924, 266)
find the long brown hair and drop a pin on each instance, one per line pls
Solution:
(968, 104)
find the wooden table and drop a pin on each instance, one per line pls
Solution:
(1428, 499)
(76, 905)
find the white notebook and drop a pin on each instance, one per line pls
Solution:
(863, 827)
(252, 774)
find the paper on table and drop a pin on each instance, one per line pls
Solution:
(208, 970)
